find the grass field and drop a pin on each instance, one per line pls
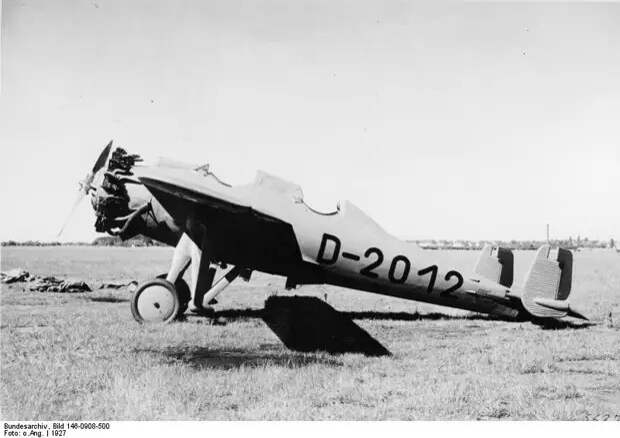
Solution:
(82, 356)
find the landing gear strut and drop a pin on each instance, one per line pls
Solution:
(167, 297)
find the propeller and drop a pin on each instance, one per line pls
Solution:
(85, 185)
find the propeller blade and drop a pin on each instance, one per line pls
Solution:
(85, 184)
(103, 157)
(73, 209)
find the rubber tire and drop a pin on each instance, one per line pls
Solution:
(143, 287)
(182, 291)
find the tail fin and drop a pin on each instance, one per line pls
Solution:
(548, 285)
(496, 264)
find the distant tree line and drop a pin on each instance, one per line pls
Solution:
(569, 243)
(134, 241)
(39, 243)
(99, 241)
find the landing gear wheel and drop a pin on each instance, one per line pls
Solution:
(155, 301)
(183, 293)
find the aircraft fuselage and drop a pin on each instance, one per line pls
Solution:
(266, 226)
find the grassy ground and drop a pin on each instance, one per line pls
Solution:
(82, 356)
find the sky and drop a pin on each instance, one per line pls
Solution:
(456, 121)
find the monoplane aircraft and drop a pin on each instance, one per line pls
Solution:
(266, 226)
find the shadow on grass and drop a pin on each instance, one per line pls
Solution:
(226, 359)
(310, 324)
(108, 299)
(560, 324)
(545, 324)
(233, 314)
(433, 316)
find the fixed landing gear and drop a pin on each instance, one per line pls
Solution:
(167, 297)
(160, 301)
(155, 301)
(183, 292)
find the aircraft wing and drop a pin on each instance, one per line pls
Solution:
(247, 224)
(175, 187)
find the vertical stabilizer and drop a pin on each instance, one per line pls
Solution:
(496, 264)
(548, 284)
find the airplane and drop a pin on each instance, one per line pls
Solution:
(267, 226)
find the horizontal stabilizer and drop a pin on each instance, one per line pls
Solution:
(561, 306)
(496, 264)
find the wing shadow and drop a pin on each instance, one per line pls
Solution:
(309, 324)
